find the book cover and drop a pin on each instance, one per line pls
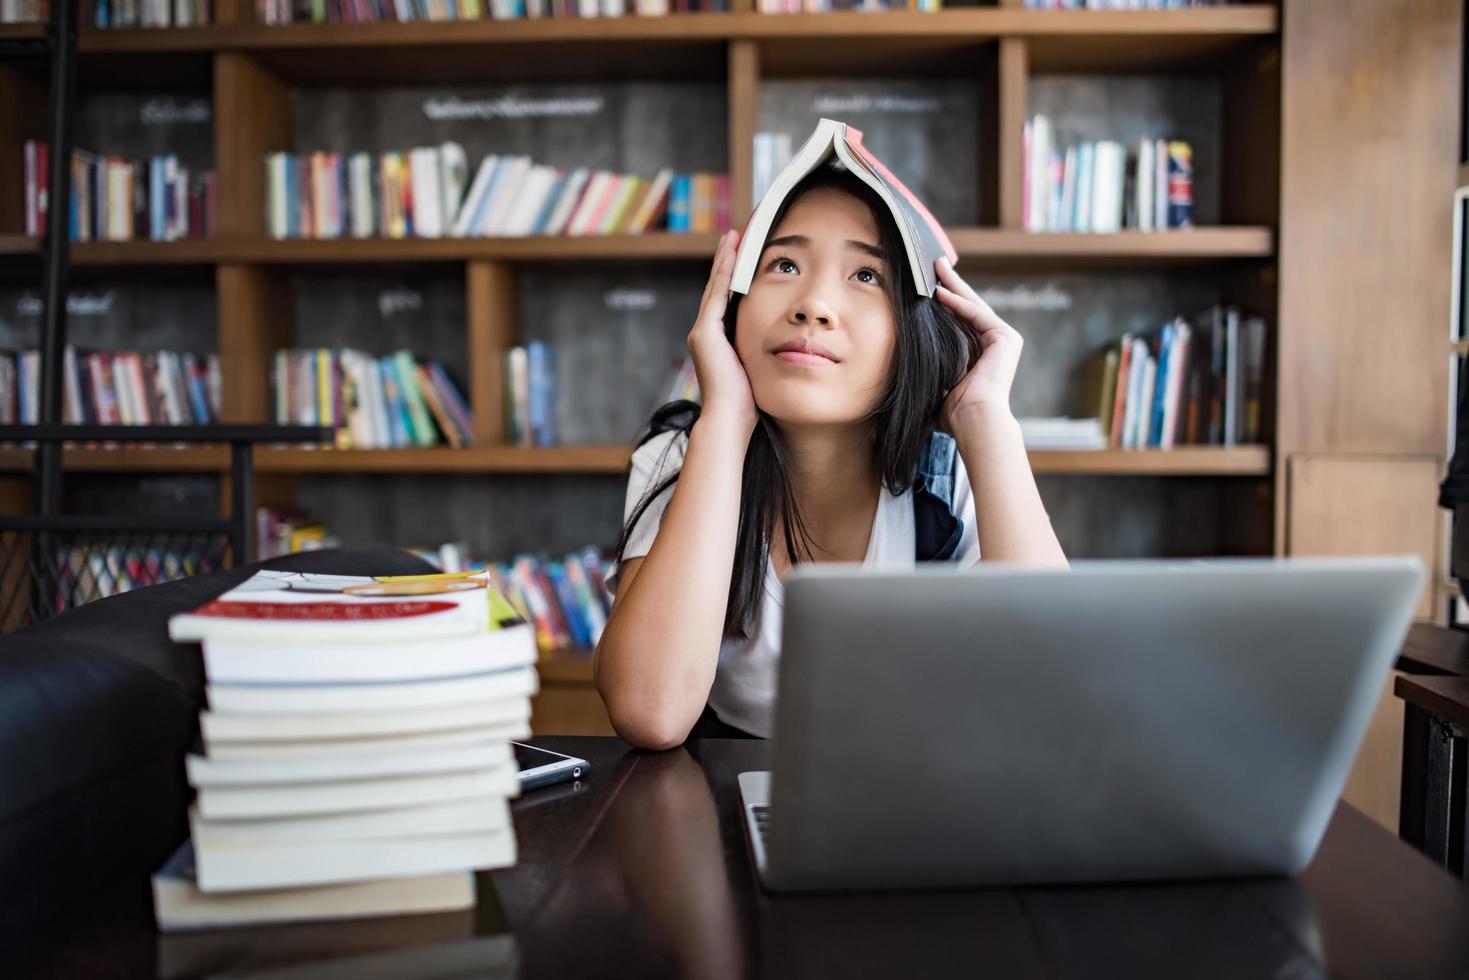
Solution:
(292, 605)
(364, 694)
(179, 903)
(924, 240)
(436, 407)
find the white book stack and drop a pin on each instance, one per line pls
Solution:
(1062, 434)
(354, 744)
(1096, 186)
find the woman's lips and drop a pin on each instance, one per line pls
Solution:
(804, 358)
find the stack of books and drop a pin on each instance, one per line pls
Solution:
(357, 757)
(289, 530)
(1122, 4)
(403, 11)
(117, 199)
(1196, 381)
(151, 13)
(1098, 187)
(1063, 434)
(530, 395)
(567, 599)
(23, 11)
(114, 387)
(373, 402)
(827, 6)
(425, 193)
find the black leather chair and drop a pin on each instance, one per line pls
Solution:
(97, 711)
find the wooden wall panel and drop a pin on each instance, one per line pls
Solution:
(1368, 160)
(569, 709)
(1354, 505)
(1375, 783)
(1366, 505)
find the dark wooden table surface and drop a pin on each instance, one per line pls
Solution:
(643, 870)
(1440, 695)
(1433, 649)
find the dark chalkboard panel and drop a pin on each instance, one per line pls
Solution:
(382, 310)
(162, 496)
(131, 314)
(147, 124)
(617, 335)
(631, 126)
(498, 517)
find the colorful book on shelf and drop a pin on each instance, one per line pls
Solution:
(373, 403)
(924, 239)
(115, 388)
(273, 12)
(1096, 187)
(423, 194)
(1187, 383)
(114, 198)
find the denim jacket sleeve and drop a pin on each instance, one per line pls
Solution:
(937, 529)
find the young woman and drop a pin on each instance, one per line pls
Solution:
(834, 400)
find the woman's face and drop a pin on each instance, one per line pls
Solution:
(816, 331)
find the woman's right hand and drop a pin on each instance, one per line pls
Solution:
(724, 386)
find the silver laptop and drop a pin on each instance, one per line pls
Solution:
(1119, 721)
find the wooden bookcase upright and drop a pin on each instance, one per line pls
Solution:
(252, 70)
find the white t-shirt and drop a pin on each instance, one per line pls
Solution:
(744, 683)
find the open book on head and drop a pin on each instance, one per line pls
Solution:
(923, 237)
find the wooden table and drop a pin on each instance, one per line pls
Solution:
(643, 870)
(1432, 649)
(1434, 814)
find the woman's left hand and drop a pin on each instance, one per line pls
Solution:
(986, 388)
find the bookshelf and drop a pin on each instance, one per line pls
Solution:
(1183, 461)
(1222, 498)
(993, 247)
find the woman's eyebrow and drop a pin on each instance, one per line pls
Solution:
(804, 242)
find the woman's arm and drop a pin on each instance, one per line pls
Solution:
(1013, 524)
(655, 664)
(1012, 520)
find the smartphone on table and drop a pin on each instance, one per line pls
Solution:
(542, 767)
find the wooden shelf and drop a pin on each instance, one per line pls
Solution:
(490, 459)
(1183, 461)
(694, 45)
(983, 23)
(32, 31)
(19, 245)
(214, 459)
(1022, 249)
(565, 666)
(1180, 461)
(990, 247)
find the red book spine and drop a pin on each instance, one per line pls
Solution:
(854, 140)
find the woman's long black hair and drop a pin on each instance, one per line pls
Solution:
(935, 347)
